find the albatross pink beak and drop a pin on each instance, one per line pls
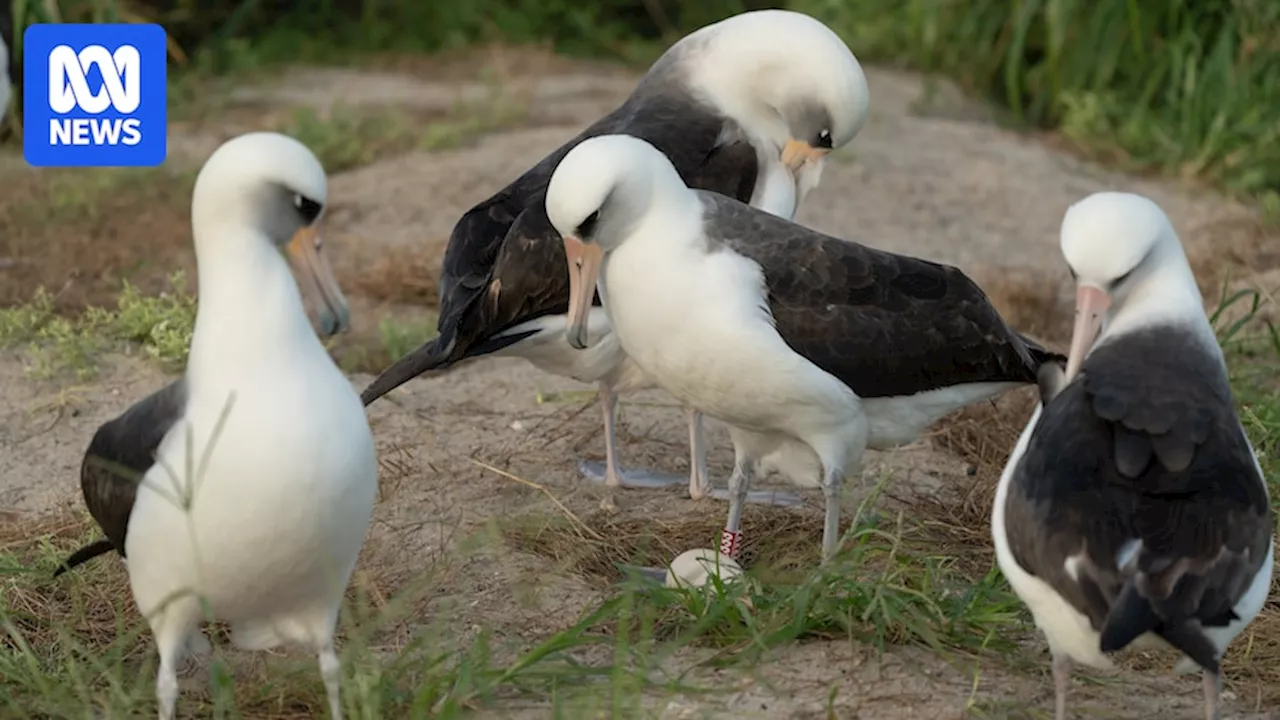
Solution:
(584, 267)
(1091, 305)
(315, 277)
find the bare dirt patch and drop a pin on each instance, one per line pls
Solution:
(950, 186)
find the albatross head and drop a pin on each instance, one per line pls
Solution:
(602, 188)
(787, 79)
(1126, 260)
(266, 187)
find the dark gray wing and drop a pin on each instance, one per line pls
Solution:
(1145, 444)
(885, 324)
(120, 453)
(505, 262)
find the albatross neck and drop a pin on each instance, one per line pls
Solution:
(250, 310)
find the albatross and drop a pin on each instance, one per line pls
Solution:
(248, 483)
(1133, 509)
(749, 107)
(810, 348)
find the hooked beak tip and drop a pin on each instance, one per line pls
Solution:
(333, 323)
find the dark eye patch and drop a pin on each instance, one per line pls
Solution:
(309, 209)
(589, 225)
(1116, 283)
(824, 140)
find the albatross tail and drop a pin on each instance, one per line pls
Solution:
(1134, 615)
(84, 555)
(436, 354)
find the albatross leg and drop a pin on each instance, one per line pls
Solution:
(831, 525)
(1212, 689)
(699, 483)
(731, 536)
(1061, 678)
(609, 473)
(171, 625)
(331, 673)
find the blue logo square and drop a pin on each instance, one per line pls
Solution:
(94, 95)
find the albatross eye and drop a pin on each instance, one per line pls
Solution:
(1117, 282)
(588, 225)
(309, 209)
(824, 139)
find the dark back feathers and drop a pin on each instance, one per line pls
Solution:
(1144, 445)
(884, 324)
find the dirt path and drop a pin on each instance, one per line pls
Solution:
(930, 175)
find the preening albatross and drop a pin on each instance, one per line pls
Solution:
(748, 107)
(1133, 508)
(249, 482)
(809, 347)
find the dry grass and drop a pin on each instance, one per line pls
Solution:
(404, 275)
(595, 548)
(43, 610)
(80, 232)
(87, 602)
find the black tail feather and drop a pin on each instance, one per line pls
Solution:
(431, 355)
(434, 355)
(1191, 640)
(1132, 616)
(84, 555)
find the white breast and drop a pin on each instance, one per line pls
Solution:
(281, 509)
(1067, 631)
(695, 322)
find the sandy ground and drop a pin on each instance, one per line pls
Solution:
(930, 175)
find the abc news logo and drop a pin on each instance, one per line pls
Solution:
(121, 90)
(94, 94)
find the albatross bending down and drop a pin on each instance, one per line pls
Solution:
(248, 483)
(809, 347)
(1133, 507)
(748, 107)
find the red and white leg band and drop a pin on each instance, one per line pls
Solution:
(730, 543)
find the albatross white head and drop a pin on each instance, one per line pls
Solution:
(260, 193)
(599, 193)
(787, 79)
(1129, 267)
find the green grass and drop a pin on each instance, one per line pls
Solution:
(55, 345)
(1187, 89)
(347, 138)
(1252, 347)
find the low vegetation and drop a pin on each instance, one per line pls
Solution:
(1191, 91)
(1188, 89)
(159, 326)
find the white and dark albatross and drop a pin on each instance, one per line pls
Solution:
(1133, 509)
(248, 483)
(748, 107)
(810, 348)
